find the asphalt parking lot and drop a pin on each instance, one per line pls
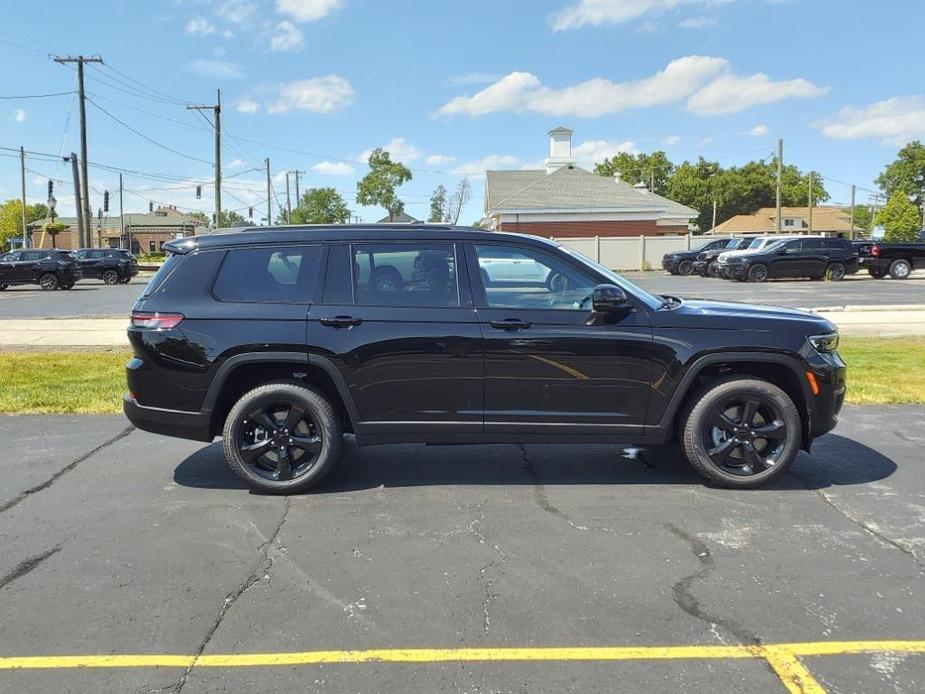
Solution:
(117, 542)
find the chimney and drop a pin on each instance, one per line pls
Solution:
(560, 150)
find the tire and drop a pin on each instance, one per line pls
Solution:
(836, 272)
(125, 280)
(876, 274)
(3, 286)
(48, 281)
(278, 404)
(719, 446)
(900, 269)
(757, 273)
(69, 285)
(386, 279)
(110, 277)
(685, 267)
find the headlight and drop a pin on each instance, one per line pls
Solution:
(824, 343)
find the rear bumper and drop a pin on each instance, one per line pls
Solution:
(184, 425)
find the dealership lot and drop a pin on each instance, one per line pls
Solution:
(150, 547)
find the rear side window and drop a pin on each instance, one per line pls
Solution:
(838, 244)
(162, 273)
(812, 244)
(273, 274)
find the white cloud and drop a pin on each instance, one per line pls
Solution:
(893, 121)
(319, 94)
(248, 106)
(493, 161)
(598, 12)
(333, 168)
(19, 115)
(219, 69)
(440, 160)
(590, 152)
(731, 93)
(199, 26)
(237, 11)
(307, 10)
(235, 164)
(399, 148)
(285, 37)
(523, 91)
(759, 130)
(671, 140)
(696, 22)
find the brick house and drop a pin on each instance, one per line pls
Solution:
(148, 231)
(565, 200)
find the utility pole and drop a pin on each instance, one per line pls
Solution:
(780, 175)
(84, 211)
(22, 171)
(122, 236)
(216, 109)
(99, 228)
(811, 176)
(713, 228)
(288, 202)
(269, 204)
(851, 232)
(298, 195)
(75, 174)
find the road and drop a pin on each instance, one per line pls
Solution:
(92, 298)
(118, 542)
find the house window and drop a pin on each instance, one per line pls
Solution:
(152, 247)
(788, 222)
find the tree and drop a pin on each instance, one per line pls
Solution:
(202, 217)
(11, 218)
(438, 205)
(906, 174)
(378, 186)
(458, 201)
(694, 185)
(652, 169)
(321, 206)
(900, 219)
(230, 217)
(863, 218)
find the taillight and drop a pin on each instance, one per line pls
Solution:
(155, 321)
(875, 251)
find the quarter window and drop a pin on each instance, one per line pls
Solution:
(515, 277)
(282, 275)
(405, 274)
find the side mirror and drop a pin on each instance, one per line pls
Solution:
(608, 298)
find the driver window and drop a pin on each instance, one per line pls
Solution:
(519, 277)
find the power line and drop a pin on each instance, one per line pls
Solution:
(152, 90)
(37, 96)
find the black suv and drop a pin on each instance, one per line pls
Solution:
(112, 265)
(281, 340)
(814, 257)
(682, 262)
(50, 269)
(706, 265)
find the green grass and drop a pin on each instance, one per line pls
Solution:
(880, 370)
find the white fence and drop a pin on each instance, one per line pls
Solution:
(628, 252)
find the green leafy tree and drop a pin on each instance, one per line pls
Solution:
(906, 174)
(694, 185)
(650, 169)
(321, 206)
(438, 203)
(900, 219)
(378, 187)
(230, 217)
(11, 218)
(202, 217)
(863, 218)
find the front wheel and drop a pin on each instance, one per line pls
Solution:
(900, 269)
(742, 433)
(836, 272)
(282, 438)
(48, 281)
(757, 273)
(110, 277)
(685, 267)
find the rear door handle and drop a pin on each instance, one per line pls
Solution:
(341, 321)
(510, 324)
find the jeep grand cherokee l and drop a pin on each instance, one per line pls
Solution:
(281, 340)
(50, 269)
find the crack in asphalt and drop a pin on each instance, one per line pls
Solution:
(261, 571)
(27, 565)
(22, 496)
(807, 482)
(688, 602)
(487, 583)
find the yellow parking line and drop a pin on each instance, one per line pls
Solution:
(792, 673)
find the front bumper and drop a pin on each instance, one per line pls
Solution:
(700, 267)
(184, 425)
(670, 264)
(733, 272)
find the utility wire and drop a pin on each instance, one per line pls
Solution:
(37, 96)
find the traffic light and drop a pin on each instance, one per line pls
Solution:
(150, 206)
(198, 192)
(105, 200)
(51, 189)
(250, 212)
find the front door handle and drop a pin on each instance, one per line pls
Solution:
(510, 324)
(341, 321)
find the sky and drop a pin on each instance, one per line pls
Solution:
(450, 89)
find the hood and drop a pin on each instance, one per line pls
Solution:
(744, 251)
(730, 315)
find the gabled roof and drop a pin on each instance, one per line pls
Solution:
(825, 218)
(572, 188)
(163, 217)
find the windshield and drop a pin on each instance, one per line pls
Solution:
(733, 243)
(650, 300)
(774, 245)
(757, 243)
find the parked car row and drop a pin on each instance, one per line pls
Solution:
(56, 269)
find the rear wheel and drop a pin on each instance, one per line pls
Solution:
(757, 273)
(110, 277)
(876, 273)
(48, 281)
(685, 267)
(900, 269)
(282, 438)
(836, 272)
(742, 432)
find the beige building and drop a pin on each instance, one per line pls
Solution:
(828, 220)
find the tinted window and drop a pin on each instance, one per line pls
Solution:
(838, 244)
(812, 244)
(528, 278)
(273, 274)
(162, 273)
(338, 287)
(405, 274)
(9, 257)
(792, 246)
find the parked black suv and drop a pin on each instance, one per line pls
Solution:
(112, 265)
(682, 262)
(814, 257)
(280, 340)
(50, 269)
(706, 266)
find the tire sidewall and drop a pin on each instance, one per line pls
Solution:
(52, 283)
(685, 267)
(752, 278)
(839, 276)
(110, 277)
(900, 264)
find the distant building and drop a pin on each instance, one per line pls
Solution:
(565, 200)
(149, 231)
(403, 218)
(794, 220)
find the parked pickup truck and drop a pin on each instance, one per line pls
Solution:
(897, 260)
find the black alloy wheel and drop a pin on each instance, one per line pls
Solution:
(48, 281)
(110, 277)
(757, 273)
(685, 267)
(836, 272)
